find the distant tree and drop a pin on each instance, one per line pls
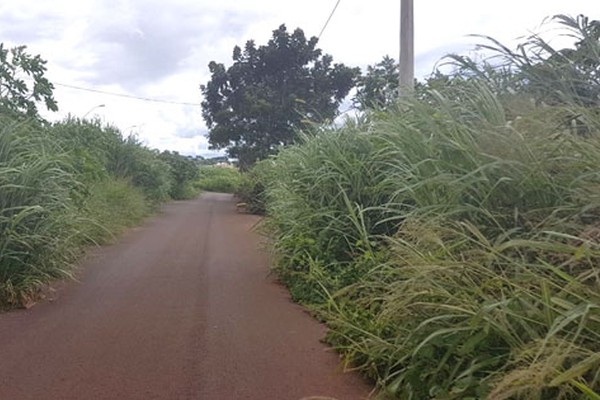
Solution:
(257, 104)
(213, 160)
(18, 70)
(378, 88)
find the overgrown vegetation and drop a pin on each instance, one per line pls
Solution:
(38, 215)
(66, 185)
(69, 184)
(251, 189)
(451, 242)
(218, 179)
(184, 172)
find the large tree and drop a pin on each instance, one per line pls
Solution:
(257, 104)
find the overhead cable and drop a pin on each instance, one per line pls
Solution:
(127, 95)
(329, 18)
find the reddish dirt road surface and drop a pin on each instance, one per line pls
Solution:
(181, 308)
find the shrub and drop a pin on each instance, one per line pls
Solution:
(111, 206)
(184, 173)
(218, 179)
(251, 189)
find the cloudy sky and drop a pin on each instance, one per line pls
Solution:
(159, 50)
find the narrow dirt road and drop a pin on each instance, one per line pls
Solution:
(181, 308)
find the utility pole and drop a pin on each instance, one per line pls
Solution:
(407, 50)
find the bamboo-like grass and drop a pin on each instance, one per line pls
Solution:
(63, 187)
(36, 211)
(452, 252)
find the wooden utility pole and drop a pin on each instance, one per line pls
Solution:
(407, 51)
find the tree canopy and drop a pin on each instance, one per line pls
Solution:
(378, 88)
(17, 68)
(256, 105)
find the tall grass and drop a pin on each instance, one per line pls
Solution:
(451, 247)
(98, 151)
(218, 179)
(36, 210)
(111, 206)
(67, 185)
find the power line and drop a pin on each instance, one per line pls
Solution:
(329, 19)
(127, 95)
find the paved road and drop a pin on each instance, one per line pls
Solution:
(181, 308)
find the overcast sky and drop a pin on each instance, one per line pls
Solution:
(160, 49)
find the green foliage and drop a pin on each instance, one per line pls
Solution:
(452, 252)
(129, 159)
(37, 215)
(62, 187)
(111, 206)
(378, 88)
(184, 172)
(551, 76)
(98, 152)
(16, 97)
(253, 107)
(218, 179)
(251, 189)
(87, 145)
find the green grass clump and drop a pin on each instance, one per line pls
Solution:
(98, 151)
(184, 174)
(251, 189)
(111, 206)
(37, 213)
(452, 252)
(67, 185)
(218, 179)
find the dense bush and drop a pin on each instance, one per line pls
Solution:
(184, 173)
(453, 253)
(37, 215)
(218, 179)
(452, 242)
(251, 189)
(110, 206)
(100, 151)
(66, 185)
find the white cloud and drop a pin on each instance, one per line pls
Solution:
(158, 49)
